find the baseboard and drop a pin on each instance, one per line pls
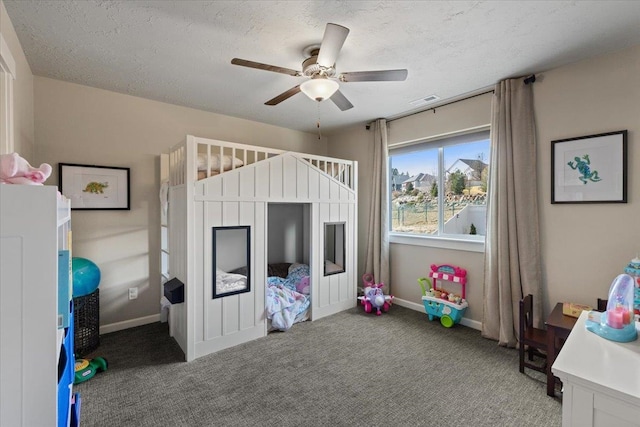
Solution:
(132, 323)
(126, 324)
(469, 323)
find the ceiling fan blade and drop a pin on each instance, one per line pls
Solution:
(375, 76)
(341, 101)
(284, 95)
(332, 41)
(267, 67)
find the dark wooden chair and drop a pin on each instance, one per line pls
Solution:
(602, 304)
(533, 341)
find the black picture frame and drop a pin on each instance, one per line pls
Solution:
(589, 169)
(93, 187)
(231, 257)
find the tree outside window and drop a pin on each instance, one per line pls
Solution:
(457, 182)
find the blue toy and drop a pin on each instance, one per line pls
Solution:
(374, 298)
(86, 276)
(633, 270)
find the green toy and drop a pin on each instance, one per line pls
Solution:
(85, 369)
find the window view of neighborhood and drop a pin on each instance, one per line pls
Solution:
(416, 195)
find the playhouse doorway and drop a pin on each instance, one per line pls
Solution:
(289, 261)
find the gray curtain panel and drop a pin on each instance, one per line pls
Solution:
(512, 248)
(376, 259)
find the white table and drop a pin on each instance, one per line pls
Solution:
(601, 379)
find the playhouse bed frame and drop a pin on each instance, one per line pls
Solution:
(233, 195)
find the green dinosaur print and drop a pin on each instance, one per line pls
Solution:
(95, 187)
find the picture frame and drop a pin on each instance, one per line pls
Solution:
(590, 169)
(92, 187)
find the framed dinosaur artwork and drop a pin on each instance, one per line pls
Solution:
(91, 187)
(590, 169)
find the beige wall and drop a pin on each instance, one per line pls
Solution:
(355, 144)
(466, 114)
(583, 246)
(22, 91)
(79, 124)
(408, 263)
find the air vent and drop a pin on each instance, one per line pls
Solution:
(424, 101)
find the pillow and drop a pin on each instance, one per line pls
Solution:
(215, 162)
(278, 270)
(298, 270)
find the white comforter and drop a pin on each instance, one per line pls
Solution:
(284, 306)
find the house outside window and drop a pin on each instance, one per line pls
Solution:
(439, 186)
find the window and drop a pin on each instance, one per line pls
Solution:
(439, 186)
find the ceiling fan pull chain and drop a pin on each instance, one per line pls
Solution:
(318, 122)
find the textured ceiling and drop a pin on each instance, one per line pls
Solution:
(180, 51)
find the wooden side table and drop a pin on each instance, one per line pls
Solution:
(558, 328)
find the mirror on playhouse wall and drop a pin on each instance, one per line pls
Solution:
(231, 260)
(334, 247)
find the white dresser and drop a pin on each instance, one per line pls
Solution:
(600, 378)
(36, 347)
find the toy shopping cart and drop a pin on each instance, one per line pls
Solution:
(449, 307)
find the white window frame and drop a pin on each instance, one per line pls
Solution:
(7, 76)
(441, 241)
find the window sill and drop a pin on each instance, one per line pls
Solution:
(438, 242)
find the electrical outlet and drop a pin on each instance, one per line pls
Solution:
(133, 293)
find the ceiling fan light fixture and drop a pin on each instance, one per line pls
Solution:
(319, 88)
(320, 67)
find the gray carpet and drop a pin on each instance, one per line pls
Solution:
(351, 368)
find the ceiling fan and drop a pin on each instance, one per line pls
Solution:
(320, 67)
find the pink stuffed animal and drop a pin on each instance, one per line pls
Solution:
(16, 170)
(304, 285)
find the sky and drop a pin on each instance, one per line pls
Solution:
(427, 161)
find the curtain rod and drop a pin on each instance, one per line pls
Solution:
(443, 105)
(528, 80)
